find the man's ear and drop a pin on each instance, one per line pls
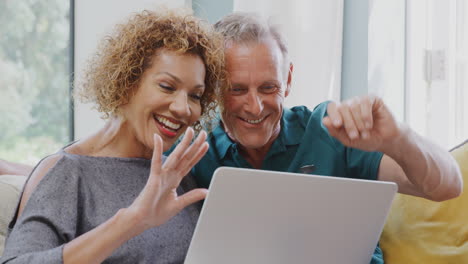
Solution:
(288, 83)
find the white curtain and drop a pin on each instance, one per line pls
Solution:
(313, 30)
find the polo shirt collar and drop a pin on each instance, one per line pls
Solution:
(290, 134)
(223, 142)
(292, 129)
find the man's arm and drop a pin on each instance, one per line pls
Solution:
(12, 168)
(421, 168)
(418, 166)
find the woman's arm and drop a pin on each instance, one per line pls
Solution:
(155, 205)
(12, 168)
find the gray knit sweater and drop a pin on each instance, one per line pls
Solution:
(81, 192)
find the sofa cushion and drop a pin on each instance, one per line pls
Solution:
(421, 231)
(10, 190)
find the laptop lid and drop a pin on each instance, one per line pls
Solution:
(267, 217)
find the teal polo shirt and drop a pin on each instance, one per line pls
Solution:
(303, 140)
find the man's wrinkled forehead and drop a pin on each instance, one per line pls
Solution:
(264, 58)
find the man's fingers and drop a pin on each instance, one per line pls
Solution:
(348, 122)
(327, 122)
(355, 109)
(366, 110)
(334, 114)
(191, 197)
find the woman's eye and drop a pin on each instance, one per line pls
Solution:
(166, 87)
(196, 96)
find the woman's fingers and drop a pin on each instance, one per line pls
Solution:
(184, 157)
(154, 179)
(191, 197)
(159, 201)
(173, 161)
(156, 160)
(191, 156)
(201, 151)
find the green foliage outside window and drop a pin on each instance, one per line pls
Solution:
(34, 78)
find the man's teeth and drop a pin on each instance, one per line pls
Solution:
(254, 121)
(168, 123)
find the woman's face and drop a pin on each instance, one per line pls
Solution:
(167, 99)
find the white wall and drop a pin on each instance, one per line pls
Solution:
(93, 20)
(313, 30)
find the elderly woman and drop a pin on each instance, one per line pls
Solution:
(110, 197)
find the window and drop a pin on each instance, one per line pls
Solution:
(418, 62)
(437, 70)
(34, 80)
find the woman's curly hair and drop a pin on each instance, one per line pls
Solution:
(116, 69)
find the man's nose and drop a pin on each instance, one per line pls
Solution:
(254, 103)
(179, 107)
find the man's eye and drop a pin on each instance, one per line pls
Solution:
(237, 90)
(268, 88)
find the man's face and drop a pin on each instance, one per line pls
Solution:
(259, 83)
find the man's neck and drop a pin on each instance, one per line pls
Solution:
(255, 157)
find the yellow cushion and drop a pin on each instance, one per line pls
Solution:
(422, 231)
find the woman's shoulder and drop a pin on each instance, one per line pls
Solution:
(38, 173)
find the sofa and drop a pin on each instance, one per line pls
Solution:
(10, 190)
(422, 231)
(416, 231)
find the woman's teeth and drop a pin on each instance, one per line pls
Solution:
(167, 123)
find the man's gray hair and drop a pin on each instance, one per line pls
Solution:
(242, 27)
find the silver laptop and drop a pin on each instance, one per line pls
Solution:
(266, 217)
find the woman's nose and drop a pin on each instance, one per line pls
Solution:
(180, 107)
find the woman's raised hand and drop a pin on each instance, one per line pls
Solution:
(159, 201)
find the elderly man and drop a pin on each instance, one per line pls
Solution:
(358, 138)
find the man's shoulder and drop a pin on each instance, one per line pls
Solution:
(304, 113)
(311, 121)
